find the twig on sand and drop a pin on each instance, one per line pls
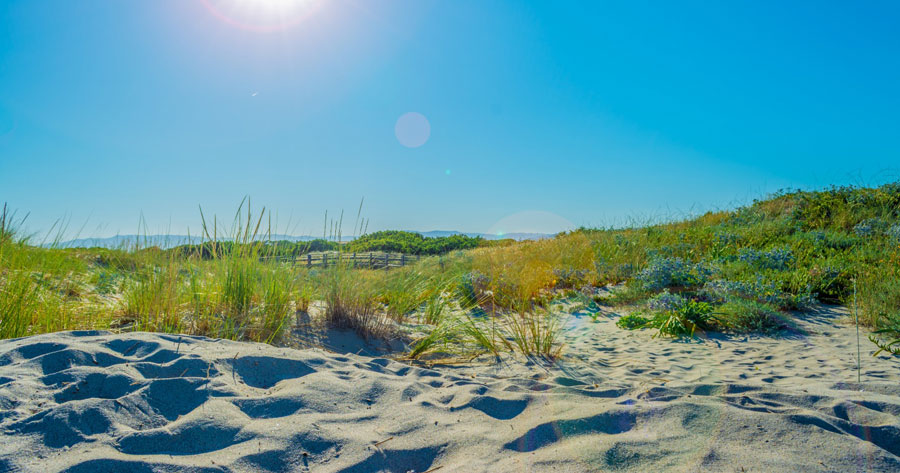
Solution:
(132, 347)
(208, 367)
(434, 469)
(233, 361)
(383, 441)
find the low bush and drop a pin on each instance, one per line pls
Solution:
(412, 243)
(777, 259)
(742, 315)
(665, 272)
(685, 320)
(673, 315)
(759, 290)
(632, 321)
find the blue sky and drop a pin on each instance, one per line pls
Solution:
(541, 114)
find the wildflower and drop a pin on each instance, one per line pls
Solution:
(870, 227)
(779, 258)
(671, 272)
(665, 301)
(894, 233)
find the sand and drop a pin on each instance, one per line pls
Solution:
(617, 401)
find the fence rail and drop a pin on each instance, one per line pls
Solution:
(370, 260)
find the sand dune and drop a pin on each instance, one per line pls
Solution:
(618, 401)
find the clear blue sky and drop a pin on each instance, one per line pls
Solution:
(582, 112)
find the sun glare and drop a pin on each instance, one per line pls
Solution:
(262, 15)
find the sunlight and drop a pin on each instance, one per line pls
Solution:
(274, 4)
(262, 15)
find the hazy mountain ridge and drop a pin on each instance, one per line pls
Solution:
(169, 241)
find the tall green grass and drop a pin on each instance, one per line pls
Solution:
(752, 266)
(535, 333)
(235, 294)
(41, 289)
(350, 302)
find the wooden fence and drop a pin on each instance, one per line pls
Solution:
(357, 260)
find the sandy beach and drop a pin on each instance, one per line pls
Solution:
(434, 236)
(616, 401)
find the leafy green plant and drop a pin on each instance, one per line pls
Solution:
(632, 321)
(891, 344)
(743, 315)
(684, 320)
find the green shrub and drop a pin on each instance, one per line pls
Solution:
(411, 243)
(632, 321)
(887, 340)
(741, 315)
(685, 320)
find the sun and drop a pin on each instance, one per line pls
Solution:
(262, 15)
(274, 4)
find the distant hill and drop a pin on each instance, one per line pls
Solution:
(488, 236)
(170, 241)
(162, 241)
(126, 241)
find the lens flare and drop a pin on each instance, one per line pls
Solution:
(412, 129)
(262, 16)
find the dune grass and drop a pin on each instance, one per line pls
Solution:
(746, 270)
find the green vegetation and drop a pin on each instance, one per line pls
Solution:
(383, 241)
(282, 249)
(747, 270)
(755, 264)
(393, 241)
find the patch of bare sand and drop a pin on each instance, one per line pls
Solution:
(617, 401)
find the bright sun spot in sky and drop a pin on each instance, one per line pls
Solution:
(262, 15)
(274, 4)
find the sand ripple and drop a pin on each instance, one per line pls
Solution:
(98, 402)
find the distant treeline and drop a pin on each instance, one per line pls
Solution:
(392, 241)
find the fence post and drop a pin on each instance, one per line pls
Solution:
(308, 260)
(402, 259)
(371, 260)
(386, 263)
(325, 259)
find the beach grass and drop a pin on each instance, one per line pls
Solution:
(743, 270)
